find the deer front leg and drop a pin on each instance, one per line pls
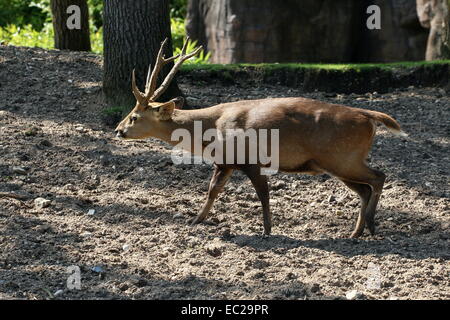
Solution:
(262, 190)
(218, 181)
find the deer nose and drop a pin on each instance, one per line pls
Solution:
(119, 133)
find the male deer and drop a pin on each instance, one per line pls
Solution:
(314, 137)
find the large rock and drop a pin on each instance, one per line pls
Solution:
(273, 31)
(257, 31)
(401, 37)
(434, 15)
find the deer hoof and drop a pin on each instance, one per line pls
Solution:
(356, 235)
(195, 221)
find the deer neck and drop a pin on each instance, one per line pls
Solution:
(190, 120)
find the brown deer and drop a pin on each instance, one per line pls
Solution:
(314, 137)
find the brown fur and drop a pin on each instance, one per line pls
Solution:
(315, 137)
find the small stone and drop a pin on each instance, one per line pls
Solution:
(41, 203)
(123, 287)
(31, 132)
(126, 247)
(313, 204)
(339, 213)
(104, 160)
(86, 234)
(97, 269)
(214, 249)
(45, 143)
(178, 216)
(353, 295)
(58, 293)
(226, 234)
(91, 212)
(279, 185)
(331, 199)
(139, 282)
(19, 170)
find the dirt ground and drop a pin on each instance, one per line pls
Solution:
(138, 244)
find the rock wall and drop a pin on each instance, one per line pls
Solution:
(255, 31)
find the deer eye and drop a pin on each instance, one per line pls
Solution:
(133, 119)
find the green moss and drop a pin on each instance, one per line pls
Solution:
(268, 67)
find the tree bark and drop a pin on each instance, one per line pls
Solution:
(71, 39)
(434, 15)
(273, 31)
(256, 31)
(133, 32)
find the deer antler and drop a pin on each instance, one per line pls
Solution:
(151, 93)
(183, 57)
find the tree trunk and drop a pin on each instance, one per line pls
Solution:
(71, 25)
(434, 14)
(133, 32)
(273, 31)
(256, 31)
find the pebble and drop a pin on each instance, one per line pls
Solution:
(353, 295)
(126, 247)
(91, 212)
(339, 213)
(214, 249)
(279, 185)
(45, 143)
(41, 203)
(19, 170)
(58, 293)
(178, 216)
(97, 269)
(86, 234)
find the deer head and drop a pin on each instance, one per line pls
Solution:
(143, 120)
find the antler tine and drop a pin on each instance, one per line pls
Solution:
(148, 76)
(176, 67)
(185, 44)
(160, 62)
(137, 93)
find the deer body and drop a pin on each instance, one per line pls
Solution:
(314, 137)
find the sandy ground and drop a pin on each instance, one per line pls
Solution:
(138, 244)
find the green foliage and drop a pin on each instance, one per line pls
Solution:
(201, 58)
(27, 36)
(178, 9)
(28, 23)
(24, 12)
(95, 13)
(178, 32)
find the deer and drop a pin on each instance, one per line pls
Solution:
(315, 137)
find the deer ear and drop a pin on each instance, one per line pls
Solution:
(165, 111)
(179, 102)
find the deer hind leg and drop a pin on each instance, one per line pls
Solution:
(219, 179)
(375, 180)
(364, 191)
(262, 190)
(377, 187)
